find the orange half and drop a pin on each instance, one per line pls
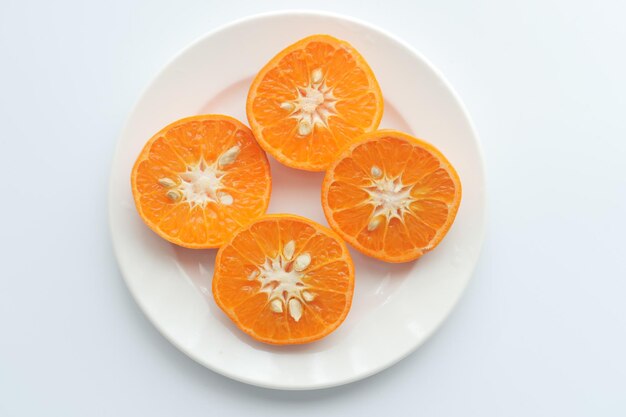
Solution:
(284, 280)
(313, 99)
(391, 196)
(199, 179)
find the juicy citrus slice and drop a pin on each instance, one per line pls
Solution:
(199, 179)
(284, 280)
(391, 196)
(311, 100)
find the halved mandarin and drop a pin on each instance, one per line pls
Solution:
(199, 179)
(391, 196)
(284, 280)
(312, 100)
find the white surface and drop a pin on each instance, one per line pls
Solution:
(395, 307)
(540, 329)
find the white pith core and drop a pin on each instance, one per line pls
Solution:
(281, 279)
(389, 196)
(314, 104)
(201, 183)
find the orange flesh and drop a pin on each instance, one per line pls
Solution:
(352, 104)
(182, 146)
(329, 278)
(403, 212)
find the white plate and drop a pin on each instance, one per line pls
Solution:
(396, 307)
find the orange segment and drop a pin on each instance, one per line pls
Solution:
(199, 179)
(313, 99)
(284, 280)
(391, 196)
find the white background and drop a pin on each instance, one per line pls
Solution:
(541, 330)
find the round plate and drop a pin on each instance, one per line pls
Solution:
(396, 307)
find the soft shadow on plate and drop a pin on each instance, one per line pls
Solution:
(230, 100)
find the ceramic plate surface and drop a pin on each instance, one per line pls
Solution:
(396, 307)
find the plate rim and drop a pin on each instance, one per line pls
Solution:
(323, 14)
